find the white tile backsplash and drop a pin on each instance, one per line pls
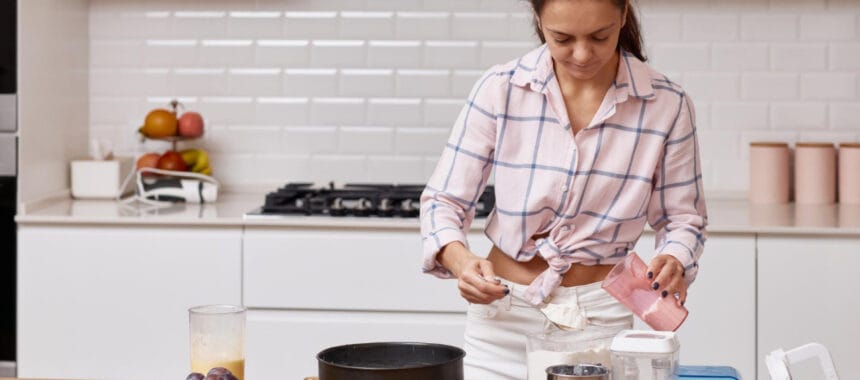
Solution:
(255, 24)
(423, 25)
(227, 109)
(304, 24)
(796, 57)
(420, 140)
(423, 83)
(740, 116)
(366, 25)
(723, 27)
(306, 141)
(203, 82)
(405, 170)
(845, 116)
(366, 82)
(337, 111)
(255, 82)
(338, 53)
(282, 53)
(770, 86)
(478, 26)
(297, 90)
(366, 140)
(769, 27)
(828, 27)
(451, 54)
(394, 54)
(828, 86)
(801, 116)
(739, 57)
(310, 82)
(284, 111)
(394, 111)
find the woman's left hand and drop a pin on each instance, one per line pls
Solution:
(666, 274)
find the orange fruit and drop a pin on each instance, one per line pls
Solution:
(159, 123)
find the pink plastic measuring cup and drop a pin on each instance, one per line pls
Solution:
(628, 283)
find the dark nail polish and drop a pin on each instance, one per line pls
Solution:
(650, 275)
(507, 291)
(682, 303)
(655, 285)
(665, 293)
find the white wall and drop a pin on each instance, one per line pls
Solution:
(367, 89)
(53, 59)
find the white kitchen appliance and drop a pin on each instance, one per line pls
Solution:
(779, 362)
(645, 355)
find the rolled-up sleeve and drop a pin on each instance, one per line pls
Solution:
(677, 210)
(448, 202)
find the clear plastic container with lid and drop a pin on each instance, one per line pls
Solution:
(555, 347)
(645, 355)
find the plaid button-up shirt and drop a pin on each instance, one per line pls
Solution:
(590, 193)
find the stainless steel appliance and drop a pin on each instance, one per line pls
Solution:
(8, 175)
(354, 199)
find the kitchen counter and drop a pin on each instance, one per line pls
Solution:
(726, 216)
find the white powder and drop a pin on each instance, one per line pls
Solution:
(538, 361)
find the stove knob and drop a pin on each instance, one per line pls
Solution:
(363, 207)
(336, 208)
(408, 208)
(385, 208)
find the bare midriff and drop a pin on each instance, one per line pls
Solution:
(525, 272)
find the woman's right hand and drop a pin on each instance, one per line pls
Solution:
(475, 277)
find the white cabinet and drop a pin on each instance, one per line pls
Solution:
(356, 269)
(99, 302)
(309, 289)
(807, 292)
(720, 329)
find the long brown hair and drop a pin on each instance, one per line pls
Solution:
(630, 38)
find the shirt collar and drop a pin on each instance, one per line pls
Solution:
(633, 79)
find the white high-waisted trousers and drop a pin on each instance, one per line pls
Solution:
(496, 334)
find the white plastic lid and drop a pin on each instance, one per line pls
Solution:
(645, 342)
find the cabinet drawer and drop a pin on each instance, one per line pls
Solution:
(284, 344)
(344, 270)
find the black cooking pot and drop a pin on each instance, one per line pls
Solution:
(391, 361)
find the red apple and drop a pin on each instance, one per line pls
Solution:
(149, 160)
(191, 124)
(171, 160)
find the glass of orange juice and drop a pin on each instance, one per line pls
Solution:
(217, 335)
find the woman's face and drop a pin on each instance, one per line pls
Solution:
(582, 35)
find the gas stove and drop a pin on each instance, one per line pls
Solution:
(355, 199)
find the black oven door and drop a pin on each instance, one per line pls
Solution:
(8, 266)
(8, 46)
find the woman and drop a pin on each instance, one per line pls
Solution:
(587, 143)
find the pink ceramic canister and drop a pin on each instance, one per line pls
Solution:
(628, 283)
(770, 172)
(815, 173)
(849, 173)
(816, 215)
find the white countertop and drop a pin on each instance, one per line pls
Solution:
(726, 216)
